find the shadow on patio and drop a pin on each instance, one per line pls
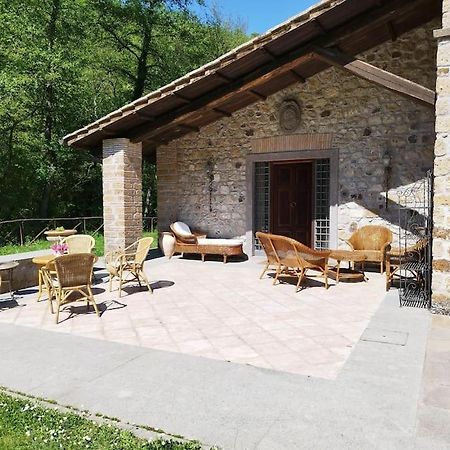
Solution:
(223, 312)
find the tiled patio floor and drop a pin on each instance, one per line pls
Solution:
(223, 312)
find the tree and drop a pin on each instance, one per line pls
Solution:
(65, 63)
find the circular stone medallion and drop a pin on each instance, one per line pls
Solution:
(290, 115)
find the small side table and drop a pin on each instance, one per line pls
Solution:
(8, 269)
(42, 261)
(349, 274)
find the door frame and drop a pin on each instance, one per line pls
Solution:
(294, 156)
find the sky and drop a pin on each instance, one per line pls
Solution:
(260, 15)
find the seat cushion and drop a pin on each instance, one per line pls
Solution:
(220, 242)
(181, 229)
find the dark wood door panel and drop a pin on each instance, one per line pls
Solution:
(291, 200)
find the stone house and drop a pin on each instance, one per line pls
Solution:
(309, 130)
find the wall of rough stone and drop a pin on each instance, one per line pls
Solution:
(202, 176)
(441, 241)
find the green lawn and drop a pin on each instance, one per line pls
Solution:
(44, 245)
(24, 424)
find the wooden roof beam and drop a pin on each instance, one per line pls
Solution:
(257, 94)
(222, 112)
(218, 97)
(223, 77)
(181, 97)
(189, 127)
(298, 76)
(380, 77)
(143, 114)
(391, 31)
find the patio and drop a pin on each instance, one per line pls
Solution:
(222, 312)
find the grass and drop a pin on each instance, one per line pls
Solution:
(45, 245)
(26, 424)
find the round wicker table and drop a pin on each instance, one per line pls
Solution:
(42, 261)
(350, 274)
(8, 267)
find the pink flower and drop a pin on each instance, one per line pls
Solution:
(59, 249)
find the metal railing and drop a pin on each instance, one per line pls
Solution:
(27, 231)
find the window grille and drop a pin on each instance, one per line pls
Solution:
(322, 204)
(262, 190)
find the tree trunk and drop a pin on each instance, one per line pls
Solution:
(142, 67)
(49, 153)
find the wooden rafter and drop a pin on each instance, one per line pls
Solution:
(378, 76)
(359, 27)
(222, 112)
(218, 97)
(149, 117)
(274, 68)
(257, 94)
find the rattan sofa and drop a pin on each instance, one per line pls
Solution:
(293, 258)
(190, 242)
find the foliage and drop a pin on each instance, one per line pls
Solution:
(43, 244)
(64, 64)
(26, 425)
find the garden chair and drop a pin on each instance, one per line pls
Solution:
(130, 261)
(73, 276)
(297, 259)
(79, 243)
(372, 241)
(271, 255)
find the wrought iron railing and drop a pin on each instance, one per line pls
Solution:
(415, 232)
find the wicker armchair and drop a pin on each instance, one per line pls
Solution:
(373, 241)
(271, 254)
(294, 258)
(79, 243)
(123, 263)
(406, 257)
(73, 275)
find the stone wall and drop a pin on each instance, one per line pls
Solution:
(202, 176)
(441, 243)
(122, 192)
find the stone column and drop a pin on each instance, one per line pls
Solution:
(122, 192)
(441, 215)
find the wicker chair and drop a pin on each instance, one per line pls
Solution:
(79, 243)
(373, 241)
(271, 254)
(297, 259)
(396, 257)
(123, 263)
(73, 275)
(187, 241)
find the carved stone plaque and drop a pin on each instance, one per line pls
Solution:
(290, 115)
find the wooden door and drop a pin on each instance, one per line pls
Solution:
(291, 200)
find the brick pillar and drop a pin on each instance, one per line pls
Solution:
(441, 215)
(167, 178)
(122, 192)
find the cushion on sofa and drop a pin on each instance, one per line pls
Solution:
(220, 242)
(181, 229)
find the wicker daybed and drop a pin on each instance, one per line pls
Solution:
(190, 242)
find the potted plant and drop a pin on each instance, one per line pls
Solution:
(59, 233)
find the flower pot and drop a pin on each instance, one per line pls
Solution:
(167, 243)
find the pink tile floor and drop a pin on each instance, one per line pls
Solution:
(223, 312)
